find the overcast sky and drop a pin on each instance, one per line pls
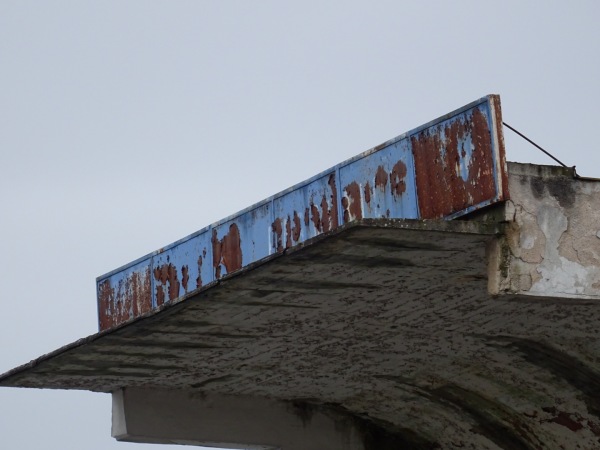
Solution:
(126, 125)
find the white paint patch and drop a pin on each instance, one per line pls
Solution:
(562, 277)
(559, 275)
(527, 241)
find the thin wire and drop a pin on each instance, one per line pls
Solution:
(533, 143)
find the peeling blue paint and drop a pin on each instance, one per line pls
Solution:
(381, 182)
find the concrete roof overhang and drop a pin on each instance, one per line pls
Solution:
(385, 318)
(336, 301)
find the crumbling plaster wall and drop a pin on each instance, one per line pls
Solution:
(552, 242)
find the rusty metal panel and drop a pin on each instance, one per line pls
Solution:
(181, 268)
(458, 165)
(443, 169)
(305, 212)
(241, 240)
(381, 184)
(124, 294)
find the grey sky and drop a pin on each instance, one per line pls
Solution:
(125, 126)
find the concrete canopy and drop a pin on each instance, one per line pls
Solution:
(383, 320)
(312, 311)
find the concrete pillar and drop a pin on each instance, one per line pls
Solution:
(236, 422)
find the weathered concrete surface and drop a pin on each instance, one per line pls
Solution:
(388, 323)
(552, 243)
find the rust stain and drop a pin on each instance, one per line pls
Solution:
(278, 230)
(325, 215)
(160, 296)
(173, 283)
(293, 228)
(130, 298)
(216, 253)
(140, 292)
(106, 301)
(565, 420)
(200, 261)
(441, 189)
(184, 277)
(296, 230)
(227, 251)
(346, 213)
(352, 203)
(306, 217)
(333, 213)
(368, 193)
(166, 275)
(572, 421)
(288, 232)
(121, 304)
(232, 249)
(315, 217)
(327, 219)
(381, 146)
(381, 178)
(397, 175)
(495, 99)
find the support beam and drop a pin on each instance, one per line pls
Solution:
(221, 421)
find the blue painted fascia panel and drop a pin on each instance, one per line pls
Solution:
(441, 163)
